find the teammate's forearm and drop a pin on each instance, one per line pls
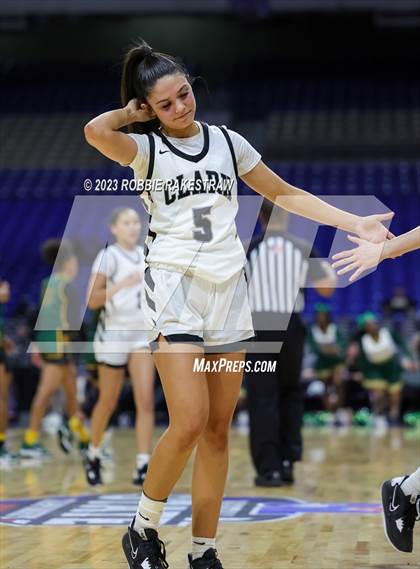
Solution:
(402, 244)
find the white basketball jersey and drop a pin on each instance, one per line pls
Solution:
(192, 202)
(123, 310)
(326, 337)
(380, 350)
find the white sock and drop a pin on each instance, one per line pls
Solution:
(411, 486)
(149, 513)
(93, 452)
(142, 459)
(200, 545)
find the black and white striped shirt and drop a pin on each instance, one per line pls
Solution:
(277, 270)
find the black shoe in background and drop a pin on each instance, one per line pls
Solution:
(93, 471)
(286, 471)
(269, 479)
(65, 438)
(139, 475)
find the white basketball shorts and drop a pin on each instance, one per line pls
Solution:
(185, 307)
(113, 347)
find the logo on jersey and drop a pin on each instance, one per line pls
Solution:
(118, 509)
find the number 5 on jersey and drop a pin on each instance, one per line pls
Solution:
(203, 224)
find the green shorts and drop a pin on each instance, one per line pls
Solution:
(55, 347)
(56, 358)
(384, 376)
(326, 366)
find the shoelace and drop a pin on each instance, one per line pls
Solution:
(155, 549)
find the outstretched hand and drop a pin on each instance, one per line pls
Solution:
(366, 255)
(371, 228)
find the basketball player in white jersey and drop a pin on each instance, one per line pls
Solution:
(195, 288)
(120, 340)
(400, 495)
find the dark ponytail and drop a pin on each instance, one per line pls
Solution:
(142, 68)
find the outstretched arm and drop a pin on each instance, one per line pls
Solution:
(403, 244)
(268, 184)
(368, 255)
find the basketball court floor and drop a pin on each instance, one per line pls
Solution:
(329, 519)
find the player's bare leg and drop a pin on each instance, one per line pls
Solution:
(110, 384)
(187, 398)
(394, 404)
(142, 373)
(379, 401)
(70, 389)
(74, 426)
(212, 456)
(51, 380)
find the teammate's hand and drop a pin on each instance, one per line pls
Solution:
(370, 227)
(365, 256)
(139, 112)
(132, 280)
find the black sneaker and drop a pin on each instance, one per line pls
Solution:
(400, 512)
(65, 438)
(144, 550)
(208, 561)
(286, 472)
(93, 471)
(139, 475)
(269, 479)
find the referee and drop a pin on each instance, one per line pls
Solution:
(277, 269)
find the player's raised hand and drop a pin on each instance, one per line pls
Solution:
(139, 112)
(365, 256)
(371, 228)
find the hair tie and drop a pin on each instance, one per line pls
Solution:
(148, 51)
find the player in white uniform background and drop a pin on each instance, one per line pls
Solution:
(120, 342)
(195, 289)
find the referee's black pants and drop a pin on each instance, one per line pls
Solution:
(275, 401)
